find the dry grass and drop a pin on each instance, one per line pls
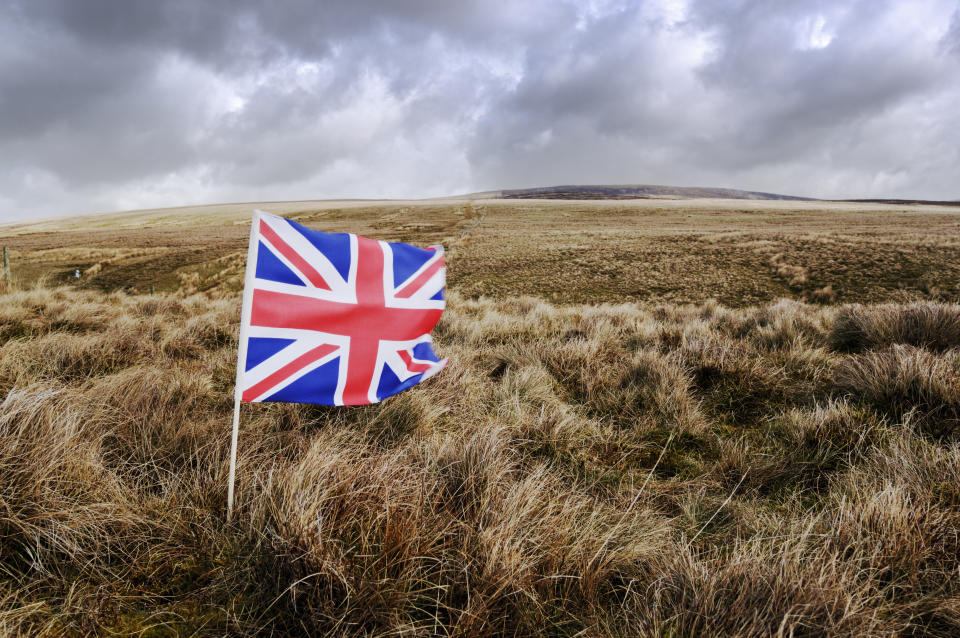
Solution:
(931, 326)
(903, 380)
(725, 454)
(738, 252)
(603, 470)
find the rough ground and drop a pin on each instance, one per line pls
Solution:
(736, 466)
(739, 252)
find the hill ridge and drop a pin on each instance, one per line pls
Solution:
(631, 191)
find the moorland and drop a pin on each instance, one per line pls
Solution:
(663, 417)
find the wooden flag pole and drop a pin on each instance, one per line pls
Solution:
(245, 310)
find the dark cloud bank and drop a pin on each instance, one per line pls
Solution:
(110, 105)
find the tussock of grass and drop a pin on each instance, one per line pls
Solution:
(934, 326)
(605, 470)
(903, 380)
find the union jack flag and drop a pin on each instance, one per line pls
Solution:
(335, 319)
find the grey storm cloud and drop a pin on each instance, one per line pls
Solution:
(109, 105)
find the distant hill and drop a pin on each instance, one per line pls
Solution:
(631, 191)
(905, 202)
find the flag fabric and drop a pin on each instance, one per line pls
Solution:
(335, 319)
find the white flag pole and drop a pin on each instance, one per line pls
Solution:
(245, 310)
(233, 456)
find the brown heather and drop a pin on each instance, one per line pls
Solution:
(608, 470)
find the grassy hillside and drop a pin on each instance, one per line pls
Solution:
(655, 468)
(738, 252)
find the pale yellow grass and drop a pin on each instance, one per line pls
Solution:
(603, 470)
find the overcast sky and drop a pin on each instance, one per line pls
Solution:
(118, 104)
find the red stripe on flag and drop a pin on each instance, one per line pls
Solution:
(411, 366)
(415, 285)
(279, 310)
(288, 370)
(293, 256)
(362, 357)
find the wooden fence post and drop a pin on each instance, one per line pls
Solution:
(6, 267)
